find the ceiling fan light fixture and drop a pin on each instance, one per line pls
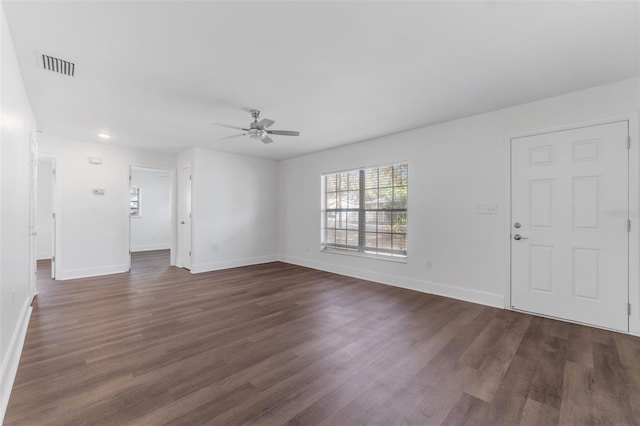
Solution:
(258, 130)
(256, 133)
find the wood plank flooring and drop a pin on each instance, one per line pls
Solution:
(280, 344)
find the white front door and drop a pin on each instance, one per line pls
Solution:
(569, 234)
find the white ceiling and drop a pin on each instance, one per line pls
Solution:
(156, 75)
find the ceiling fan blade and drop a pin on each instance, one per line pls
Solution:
(233, 136)
(283, 132)
(230, 126)
(266, 139)
(264, 123)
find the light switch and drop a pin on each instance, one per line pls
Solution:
(487, 209)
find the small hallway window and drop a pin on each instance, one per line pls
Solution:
(134, 201)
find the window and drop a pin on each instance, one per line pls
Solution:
(365, 211)
(134, 201)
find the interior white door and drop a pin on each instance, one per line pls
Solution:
(53, 218)
(184, 219)
(569, 235)
(33, 214)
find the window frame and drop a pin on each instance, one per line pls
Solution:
(137, 191)
(362, 249)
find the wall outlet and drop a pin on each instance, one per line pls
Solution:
(429, 264)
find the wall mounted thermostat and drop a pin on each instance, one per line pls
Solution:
(98, 191)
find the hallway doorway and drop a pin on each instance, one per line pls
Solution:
(151, 215)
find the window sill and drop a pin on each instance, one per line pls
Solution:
(394, 259)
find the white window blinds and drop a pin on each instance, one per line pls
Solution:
(365, 210)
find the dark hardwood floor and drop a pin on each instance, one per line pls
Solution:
(281, 344)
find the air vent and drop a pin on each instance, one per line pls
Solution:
(58, 65)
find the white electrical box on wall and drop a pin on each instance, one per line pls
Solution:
(487, 209)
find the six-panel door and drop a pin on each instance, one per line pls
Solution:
(570, 197)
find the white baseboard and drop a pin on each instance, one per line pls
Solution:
(11, 359)
(474, 296)
(226, 264)
(394, 280)
(71, 274)
(151, 247)
(468, 295)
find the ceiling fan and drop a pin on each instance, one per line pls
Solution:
(258, 129)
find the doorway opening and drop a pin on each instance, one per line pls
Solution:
(150, 217)
(46, 218)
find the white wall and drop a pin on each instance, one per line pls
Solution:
(234, 210)
(17, 122)
(92, 231)
(453, 167)
(152, 229)
(45, 209)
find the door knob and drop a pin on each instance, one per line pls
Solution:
(182, 223)
(519, 237)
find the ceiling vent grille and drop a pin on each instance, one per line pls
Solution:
(58, 65)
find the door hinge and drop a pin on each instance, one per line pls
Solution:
(189, 252)
(628, 142)
(628, 225)
(629, 309)
(189, 177)
(53, 215)
(53, 258)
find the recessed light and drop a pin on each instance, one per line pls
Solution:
(104, 135)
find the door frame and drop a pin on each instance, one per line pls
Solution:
(54, 206)
(33, 213)
(633, 120)
(172, 203)
(181, 245)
